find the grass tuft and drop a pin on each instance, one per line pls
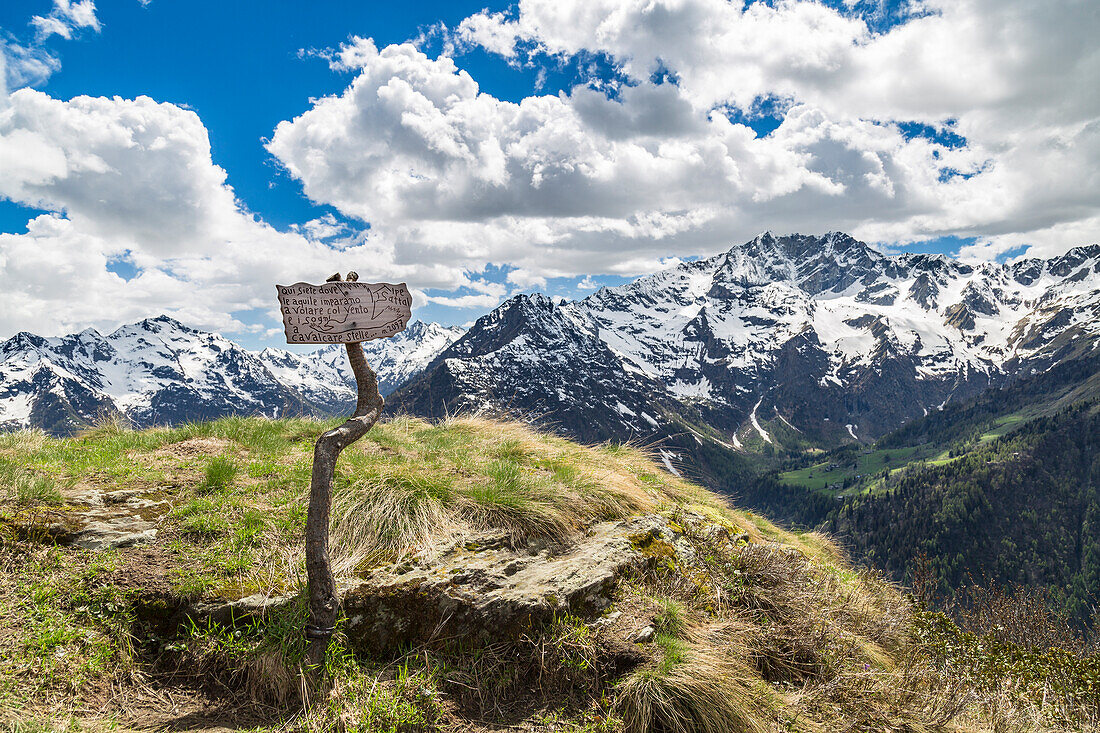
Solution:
(219, 474)
(671, 618)
(27, 487)
(691, 690)
(109, 423)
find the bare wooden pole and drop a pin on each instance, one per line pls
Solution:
(323, 601)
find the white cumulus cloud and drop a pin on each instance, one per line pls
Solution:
(65, 18)
(610, 178)
(133, 180)
(587, 182)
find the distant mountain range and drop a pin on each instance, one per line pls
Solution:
(159, 371)
(778, 344)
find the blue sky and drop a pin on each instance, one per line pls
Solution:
(922, 169)
(240, 66)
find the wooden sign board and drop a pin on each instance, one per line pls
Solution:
(343, 312)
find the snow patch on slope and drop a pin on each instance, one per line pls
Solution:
(756, 423)
(665, 456)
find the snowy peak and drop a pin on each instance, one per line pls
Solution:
(814, 264)
(159, 371)
(400, 358)
(529, 318)
(536, 358)
(818, 333)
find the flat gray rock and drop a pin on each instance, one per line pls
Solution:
(231, 612)
(484, 588)
(98, 520)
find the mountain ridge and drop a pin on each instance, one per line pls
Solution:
(159, 371)
(824, 335)
(778, 344)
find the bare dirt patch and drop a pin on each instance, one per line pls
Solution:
(181, 462)
(148, 568)
(194, 448)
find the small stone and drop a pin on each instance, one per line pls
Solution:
(109, 534)
(119, 497)
(606, 620)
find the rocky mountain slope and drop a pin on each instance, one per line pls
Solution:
(799, 340)
(159, 371)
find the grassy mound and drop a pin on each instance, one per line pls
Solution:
(737, 626)
(238, 487)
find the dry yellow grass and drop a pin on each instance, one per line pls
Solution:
(693, 689)
(413, 485)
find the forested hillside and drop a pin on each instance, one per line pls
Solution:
(1023, 509)
(1067, 383)
(1004, 488)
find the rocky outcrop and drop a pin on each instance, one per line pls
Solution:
(484, 589)
(481, 589)
(94, 519)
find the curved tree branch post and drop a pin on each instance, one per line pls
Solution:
(323, 602)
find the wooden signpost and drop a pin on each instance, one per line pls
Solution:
(347, 312)
(343, 312)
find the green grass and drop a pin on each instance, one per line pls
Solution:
(869, 463)
(412, 480)
(238, 488)
(865, 469)
(775, 630)
(1003, 426)
(817, 477)
(671, 618)
(220, 472)
(27, 487)
(203, 517)
(673, 653)
(73, 630)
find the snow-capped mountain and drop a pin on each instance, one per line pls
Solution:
(393, 359)
(159, 371)
(819, 336)
(528, 358)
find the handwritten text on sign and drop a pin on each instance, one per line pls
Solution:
(343, 312)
